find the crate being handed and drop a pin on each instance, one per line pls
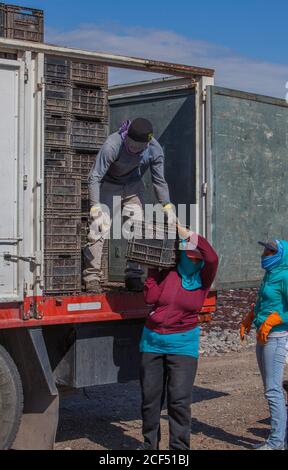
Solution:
(153, 244)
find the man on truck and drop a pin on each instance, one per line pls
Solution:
(118, 171)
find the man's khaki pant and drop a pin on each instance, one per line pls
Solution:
(130, 203)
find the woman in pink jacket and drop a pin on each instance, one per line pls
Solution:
(170, 341)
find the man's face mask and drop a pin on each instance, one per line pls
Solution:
(134, 147)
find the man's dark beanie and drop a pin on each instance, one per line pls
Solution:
(141, 130)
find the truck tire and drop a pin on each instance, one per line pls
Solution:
(11, 400)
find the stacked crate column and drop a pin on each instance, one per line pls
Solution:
(62, 232)
(24, 23)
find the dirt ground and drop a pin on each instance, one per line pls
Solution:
(229, 411)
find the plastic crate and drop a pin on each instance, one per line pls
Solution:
(87, 101)
(84, 230)
(62, 273)
(85, 72)
(57, 68)
(62, 192)
(88, 135)
(85, 201)
(57, 159)
(24, 23)
(57, 129)
(8, 55)
(57, 96)
(84, 188)
(62, 232)
(85, 205)
(2, 20)
(158, 251)
(82, 163)
(105, 262)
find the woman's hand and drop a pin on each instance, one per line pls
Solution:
(184, 233)
(273, 320)
(247, 323)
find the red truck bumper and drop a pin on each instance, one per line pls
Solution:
(41, 311)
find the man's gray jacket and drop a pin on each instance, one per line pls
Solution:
(115, 165)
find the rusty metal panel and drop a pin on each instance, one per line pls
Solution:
(173, 117)
(248, 166)
(112, 60)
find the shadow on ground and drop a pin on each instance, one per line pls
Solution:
(217, 433)
(103, 414)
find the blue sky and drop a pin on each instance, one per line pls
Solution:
(238, 38)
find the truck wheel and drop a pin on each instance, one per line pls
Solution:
(11, 400)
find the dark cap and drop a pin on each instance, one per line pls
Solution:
(141, 130)
(272, 246)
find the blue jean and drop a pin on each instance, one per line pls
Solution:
(271, 361)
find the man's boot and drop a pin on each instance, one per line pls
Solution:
(134, 284)
(93, 287)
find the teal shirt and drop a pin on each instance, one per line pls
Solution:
(273, 294)
(179, 344)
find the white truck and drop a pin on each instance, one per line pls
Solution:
(226, 154)
(51, 343)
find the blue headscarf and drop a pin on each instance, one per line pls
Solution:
(270, 262)
(190, 272)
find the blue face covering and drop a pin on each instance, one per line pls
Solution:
(270, 262)
(190, 272)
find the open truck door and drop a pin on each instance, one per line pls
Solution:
(247, 166)
(176, 109)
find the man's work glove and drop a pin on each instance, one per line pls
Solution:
(95, 212)
(247, 323)
(273, 320)
(169, 212)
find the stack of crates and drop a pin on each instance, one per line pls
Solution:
(76, 126)
(89, 111)
(23, 23)
(62, 231)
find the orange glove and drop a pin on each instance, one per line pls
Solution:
(273, 320)
(247, 323)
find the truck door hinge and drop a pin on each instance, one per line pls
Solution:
(31, 311)
(25, 182)
(25, 289)
(39, 86)
(204, 96)
(204, 189)
(26, 75)
(28, 259)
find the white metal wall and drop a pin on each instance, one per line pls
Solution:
(11, 230)
(21, 189)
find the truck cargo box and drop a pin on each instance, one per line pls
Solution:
(226, 154)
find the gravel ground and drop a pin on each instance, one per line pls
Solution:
(222, 334)
(229, 411)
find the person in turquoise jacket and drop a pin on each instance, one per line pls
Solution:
(270, 317)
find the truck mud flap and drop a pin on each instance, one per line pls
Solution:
(41, 401)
